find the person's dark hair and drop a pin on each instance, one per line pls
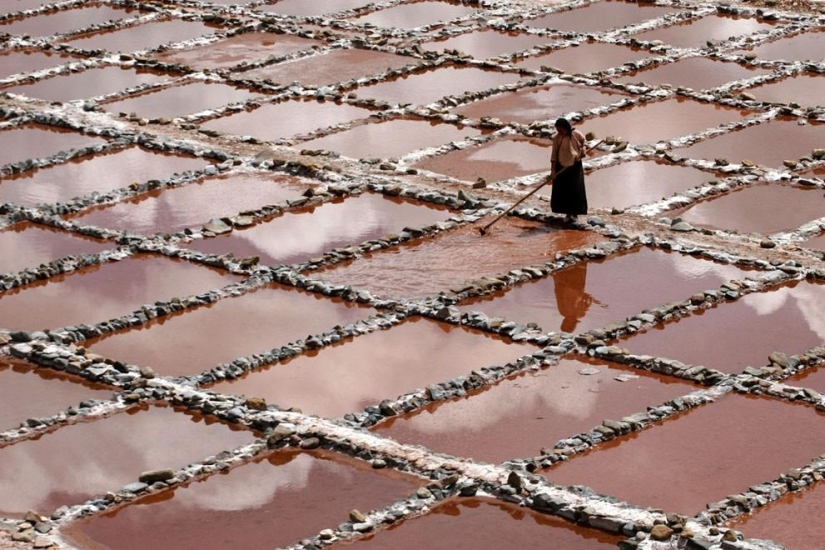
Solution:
(563, 123)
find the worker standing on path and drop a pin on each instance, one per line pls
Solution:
(569, 196)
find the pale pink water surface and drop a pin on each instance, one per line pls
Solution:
(194, 204)
(86, 84)
(589, 57)
(744, 440)
(591, 295)
(488, 43)
(63, 21)
(520, 415)
(262, 320)
(415, 14)
(299, 236)
(313, 7)
(801, 47)
(143, 37)
(599, 16)
(32, 141)
(356, 373)
(99, 293)
(698, 73)
(181, 100)
(807, 90)
(711, 28)
(74, 463)
(25, 61)
(26, 244)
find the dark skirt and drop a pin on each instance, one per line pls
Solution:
(568, 195)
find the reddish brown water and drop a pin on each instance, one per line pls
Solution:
(187, 99)
(712, 28)
(195, 204)
(487, 524)
(37, 141)
(817, 243)
(746, 330)
(12, 6)
(88, 459)
(96, 294)
(801, 47)
(589, 57)
(86, 84)
(24, 61)
(813, 378)
(767, 144)
(28, 245)
(638, 182)
(268, 503)
(329, 68)
(297, 237)
(200, 339)
(314, 7)
(63, 21)
(431, 266)
(698, 457)
(293, 118)
(415, 14)
(29, 392)
(524, 413)
(599, 16)
(763, 208)
(660, 120)
(141, 37)
(792, 521)
(488, 43)
(544, 103)
(430, 86)
(100, 173)
(382, 365)
(242, 48)
(497, 160)
(698, 73)
(807, 90)
(594, 294)
(390, 139)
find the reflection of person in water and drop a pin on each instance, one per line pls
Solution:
(571, 299)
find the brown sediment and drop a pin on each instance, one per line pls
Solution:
(356, 373)
(394, 138)
(767, 144)
(762, 208)
(27, 245)
(698, 73)
(182, 100)
(241, 48)
(141, 37)
(415, 14)
(314, 7)
(794, 521)
(660, 120)
(430, 266)
(519, 416)
(272, 122)
(194, 204)
(428, 87)
(28, 392)
(99, 293)
(72, 464)
(807, 90)
(595, 294)
(599, 16)
(638, 182)
(268, 503)
(330, 67)
(29, 60)
(488, 43)
(486, 524)
(540, 103)
(800, 47)
(62, 21)
(750, 327)
(268, 318)
(711, 28)
(296, 237)
(33, 141)
(86, 84)
(589, 57)
(99, 173)
(743, 440)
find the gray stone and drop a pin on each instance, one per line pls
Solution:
(589, 371)
(217, 227)
(682, 227)
(154, 476)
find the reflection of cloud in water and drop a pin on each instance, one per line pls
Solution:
(694, 269)
(809, 300)
(522, 154)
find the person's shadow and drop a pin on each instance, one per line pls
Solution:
(571, 299)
